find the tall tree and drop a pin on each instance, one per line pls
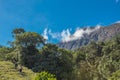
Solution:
(27, 43)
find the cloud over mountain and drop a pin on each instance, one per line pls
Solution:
(66, 35)
(78, 34)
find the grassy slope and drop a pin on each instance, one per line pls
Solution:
(8, 72)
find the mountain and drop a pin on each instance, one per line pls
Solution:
(101, 34)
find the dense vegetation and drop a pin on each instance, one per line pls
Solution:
(96, 61)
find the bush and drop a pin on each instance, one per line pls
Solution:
(45, 76)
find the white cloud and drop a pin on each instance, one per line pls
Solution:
(48, 33)
(54, 35)
(66, 35)
(78, 34)
(45, 34)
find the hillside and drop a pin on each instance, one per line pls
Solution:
(8, 72)
(101, 34)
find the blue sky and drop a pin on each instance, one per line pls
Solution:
(55, 16)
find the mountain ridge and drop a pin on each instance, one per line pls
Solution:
(102, 34)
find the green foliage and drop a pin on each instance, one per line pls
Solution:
(26, 44)
(29, 39)
(18, 31)
(79, 56)
(3, 52)
(28, 56)
(56, 61)
(45, 76)
(101, 61)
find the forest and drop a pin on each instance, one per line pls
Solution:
(46, 61)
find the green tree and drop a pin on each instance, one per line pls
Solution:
(17, 31)
(56, 61)
(27, 44)
(29, 39)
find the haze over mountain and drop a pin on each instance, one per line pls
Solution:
(86, 35)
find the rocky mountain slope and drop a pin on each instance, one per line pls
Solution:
(101, 34)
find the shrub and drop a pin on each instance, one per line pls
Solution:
(45, 76)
